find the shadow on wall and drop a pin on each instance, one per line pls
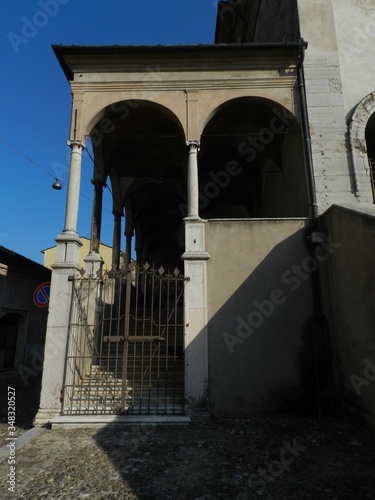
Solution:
(264, 354)
(349, 297)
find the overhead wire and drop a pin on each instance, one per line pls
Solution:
(25, 156)
(36, 164)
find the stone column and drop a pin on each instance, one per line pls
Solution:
(93, 260)
(116, 244)
(72, 200)
(96, 222)
(66, 265)
(195, 261)
(128, 242)
(193, 186)
(128, 248)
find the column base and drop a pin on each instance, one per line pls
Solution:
(45, 416)
(94, 264)
(192, 218)
(195, 256)
(67, 250)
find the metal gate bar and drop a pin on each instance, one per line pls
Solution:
(125, 344)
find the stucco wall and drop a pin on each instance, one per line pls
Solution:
(259, 337)
(350, 276)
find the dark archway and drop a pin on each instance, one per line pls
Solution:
(9, 326)
(144, 154)
(251, 162)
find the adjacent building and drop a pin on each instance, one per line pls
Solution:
(105, 252)
(24, 299)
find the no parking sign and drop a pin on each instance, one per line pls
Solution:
(41, 294)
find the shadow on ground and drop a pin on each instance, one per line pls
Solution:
(262, 457)
(271, 457)
(27, 390)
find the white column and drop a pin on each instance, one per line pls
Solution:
(195, 261)
(72, 201)
(65, 265)
(193, 186)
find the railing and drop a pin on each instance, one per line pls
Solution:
(125, 343)
(82, 350)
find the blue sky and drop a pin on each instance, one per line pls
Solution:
(35, 101)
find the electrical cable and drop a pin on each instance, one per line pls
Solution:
(21, 153)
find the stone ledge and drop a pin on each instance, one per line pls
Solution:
(71, 421)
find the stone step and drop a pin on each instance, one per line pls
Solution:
(110, 410)
(92, 409)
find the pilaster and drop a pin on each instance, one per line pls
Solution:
(196, 341)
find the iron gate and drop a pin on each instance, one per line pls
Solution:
(125, 351)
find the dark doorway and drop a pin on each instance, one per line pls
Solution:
(8, 340)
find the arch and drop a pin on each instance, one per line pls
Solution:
(120, 110)
(358, 122)
(359, 139)
(9, 337)
(142, 149)
(251, 162)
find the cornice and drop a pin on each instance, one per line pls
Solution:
(175, 85)
(76, 60)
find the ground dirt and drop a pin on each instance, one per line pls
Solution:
(262, 457)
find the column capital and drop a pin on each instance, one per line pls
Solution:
(71, 144)
(98, 183)
(193, 145)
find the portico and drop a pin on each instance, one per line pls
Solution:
(169, 126)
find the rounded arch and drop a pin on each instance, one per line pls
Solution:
(357, 126)
(142, 150)
(267, 102)
(362, 148)
(119, 110)
(251, 161)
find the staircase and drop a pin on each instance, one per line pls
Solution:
(99, 393)
(154, 376)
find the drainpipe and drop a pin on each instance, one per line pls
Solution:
(313, 207)
(319, 325)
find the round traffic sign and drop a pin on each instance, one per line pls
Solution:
(41, 294)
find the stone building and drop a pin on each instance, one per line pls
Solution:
(243, 171)
(24, 291)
